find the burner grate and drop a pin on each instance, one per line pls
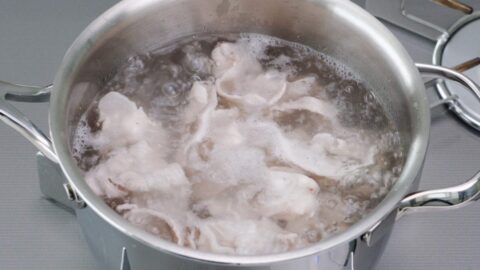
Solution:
(456, 47)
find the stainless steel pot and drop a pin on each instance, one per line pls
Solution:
(335, 27)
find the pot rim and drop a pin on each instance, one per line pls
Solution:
(127, 8)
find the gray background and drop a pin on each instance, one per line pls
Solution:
(35, 234)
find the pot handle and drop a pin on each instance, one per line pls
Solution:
(18, 121)
(452, 197)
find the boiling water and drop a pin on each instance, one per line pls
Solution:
(238, 144)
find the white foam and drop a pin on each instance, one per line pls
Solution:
(239, 180)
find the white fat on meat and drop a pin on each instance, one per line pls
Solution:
(287, 195)
(244, 237)
(256, 88)
(124, 124)
(134, 151)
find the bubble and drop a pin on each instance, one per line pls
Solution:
(349, 89)
(397, 170)
(170, 89)
(332, 203)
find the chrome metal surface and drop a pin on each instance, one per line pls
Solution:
(69, 192)
(464, 108)
(444, 101)
(462, 67)
(107, 245)
(25, 93)
(442, 199)
(351, 261)
(138, 26)
(52, 180)
(73, 196)
(447, 198)
(18, 121)
(124, 263)
(447, 73)
(377, 232)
